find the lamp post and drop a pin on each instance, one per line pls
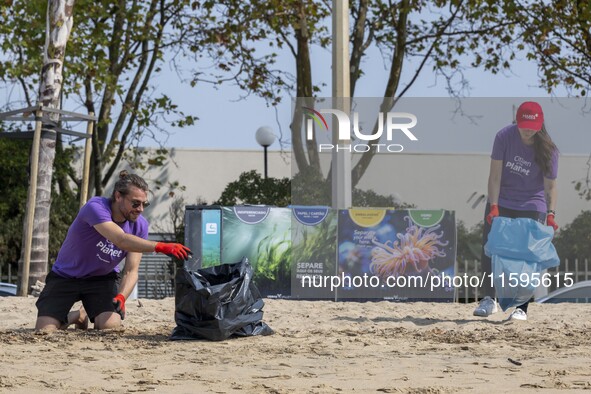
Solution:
(265, 138)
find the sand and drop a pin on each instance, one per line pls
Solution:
(318, 347)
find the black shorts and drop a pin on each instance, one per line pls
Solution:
(60, 294)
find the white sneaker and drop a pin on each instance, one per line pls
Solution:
(487, 307)
(518, 314)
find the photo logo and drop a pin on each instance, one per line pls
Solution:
(390, 122)
(312, 114)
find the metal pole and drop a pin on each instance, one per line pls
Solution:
(341, 92)
(265, 148)
(24, 282)
(86, 164)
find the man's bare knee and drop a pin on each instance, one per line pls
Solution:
(107, 321)
(48, 324)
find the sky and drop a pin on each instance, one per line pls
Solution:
(228, 122)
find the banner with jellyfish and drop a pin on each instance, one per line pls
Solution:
(396, 254)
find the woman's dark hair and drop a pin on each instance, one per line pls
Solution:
(126, 180)
(544, 149)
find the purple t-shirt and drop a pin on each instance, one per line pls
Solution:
(522, 180)
(85, 252)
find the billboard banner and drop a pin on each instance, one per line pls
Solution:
(263, 235)
(314, 237)
(316, 252)
(395, 254)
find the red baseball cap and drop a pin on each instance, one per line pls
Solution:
(530, 116)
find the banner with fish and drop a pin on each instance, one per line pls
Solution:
(396, 254)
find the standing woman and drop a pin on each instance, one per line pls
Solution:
(521, 184)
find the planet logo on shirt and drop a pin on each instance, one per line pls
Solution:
(519, 166)
(109, 249)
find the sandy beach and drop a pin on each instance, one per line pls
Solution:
(318, 347)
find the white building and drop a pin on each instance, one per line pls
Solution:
(429, 181)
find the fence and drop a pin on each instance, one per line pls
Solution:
(578, 271)
(156, 277)
(6, 274)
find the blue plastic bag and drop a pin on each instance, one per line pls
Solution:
(520, 249)
(522, 239)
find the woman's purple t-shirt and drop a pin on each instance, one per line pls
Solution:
(522, 180)
(85, 252)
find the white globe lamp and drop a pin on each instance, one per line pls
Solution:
(265, 138)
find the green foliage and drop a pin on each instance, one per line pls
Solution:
(115, 52)
(573, 241)
(117, 49)
(14, 179)
(583, 186)
(469, 242)
(247, 37)
(64, 208)
(251, 188)
(556, 34)
(310, 188)
(13, 189)
(369, 198)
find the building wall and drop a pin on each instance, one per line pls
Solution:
(429, 181)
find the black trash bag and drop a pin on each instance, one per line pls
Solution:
(217, 302)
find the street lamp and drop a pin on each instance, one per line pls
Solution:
(265, 138)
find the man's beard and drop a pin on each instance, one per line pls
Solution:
(131, 218)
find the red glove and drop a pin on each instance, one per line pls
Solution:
(493, 213)
(179, 251)
(550, 221)
(119, 304)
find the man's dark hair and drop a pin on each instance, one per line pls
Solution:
(126, 180)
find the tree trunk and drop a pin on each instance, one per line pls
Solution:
(58, 27)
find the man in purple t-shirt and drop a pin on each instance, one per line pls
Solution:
(105, 231)
(521, 184)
